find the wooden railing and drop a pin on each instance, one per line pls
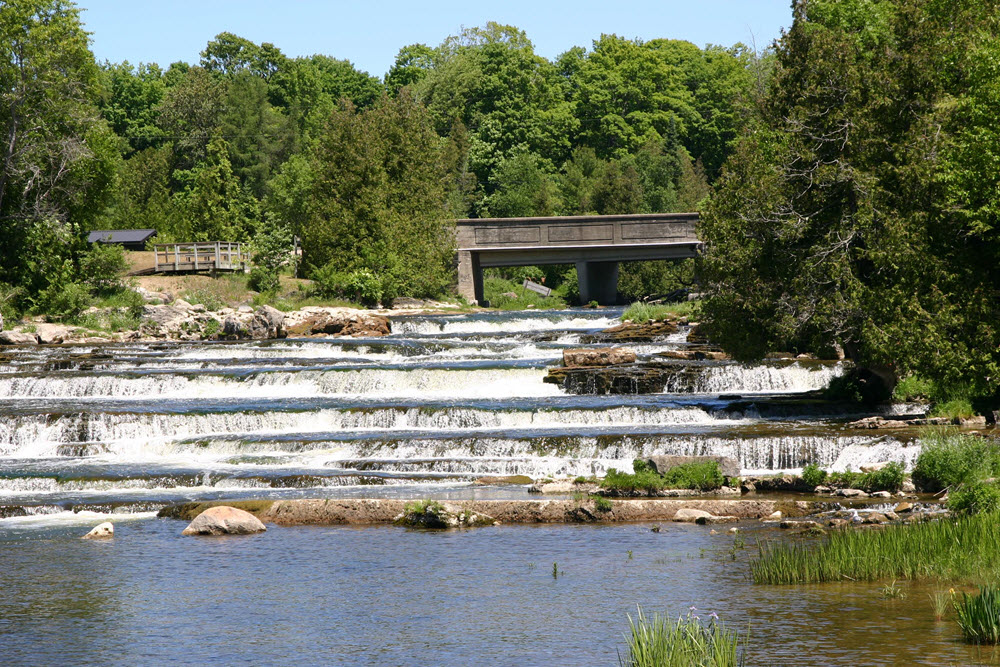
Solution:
(217, 256)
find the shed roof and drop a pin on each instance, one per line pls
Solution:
(121, 235)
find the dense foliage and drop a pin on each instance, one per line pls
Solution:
(872, 221)
(249, 144)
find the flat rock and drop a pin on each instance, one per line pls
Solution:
(851, 493)
(689, 515)
(224, 520)
(703, 520)
(603, 356)
(876, 517)
(17, 338)
(101, 531)
(774, 516)
(880, 494)
(553, 487)
(904, 507)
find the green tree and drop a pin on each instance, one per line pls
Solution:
(57, 156)
(379, 203)
(215, 206)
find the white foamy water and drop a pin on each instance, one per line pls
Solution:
(463, 325)
(793, 378)
(385, 383)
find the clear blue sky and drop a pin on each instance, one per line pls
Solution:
(370, 32)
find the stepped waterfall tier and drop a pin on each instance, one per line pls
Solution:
(443, 401)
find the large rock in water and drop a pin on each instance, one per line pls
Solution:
(224, 520)
(728, 466)
(604, 356)
(312, 320)
(101, 531)
(690, 515)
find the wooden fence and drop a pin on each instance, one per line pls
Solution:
(217, 256)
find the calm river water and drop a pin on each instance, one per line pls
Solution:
(115, 432)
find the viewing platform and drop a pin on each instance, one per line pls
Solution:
(194, 257)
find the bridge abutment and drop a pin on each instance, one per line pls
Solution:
(598, 282)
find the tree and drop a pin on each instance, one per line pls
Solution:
(57, 156)
(412, 64)
(870, 220)
(379, 203)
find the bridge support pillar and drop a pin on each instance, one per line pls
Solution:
(470, 277)
(598, 282)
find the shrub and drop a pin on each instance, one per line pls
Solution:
(497, 291)
(602, 504)
(813, 475)
(361, 286)
(974, 498)
(889, 478)
(659, 642)
(956, 408)
(949, 459)
(703, 476)
(641, 465)
(103, 266)
(913, 388)
(64, 301)
(263, 279)
(979, 616)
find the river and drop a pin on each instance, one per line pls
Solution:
(90, 433)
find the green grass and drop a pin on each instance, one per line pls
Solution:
(956, 408)
(702, 476)
(641, 312)
(957, 550)
(495, 289)
(948, 459)
(687, 642)
(889, 478)
(979, 616)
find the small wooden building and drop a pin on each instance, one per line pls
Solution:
(130, 239)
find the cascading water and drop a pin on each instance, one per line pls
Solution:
(442, 401)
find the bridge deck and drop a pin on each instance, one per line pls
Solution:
(584, 240)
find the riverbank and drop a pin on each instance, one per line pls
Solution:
(372, 511)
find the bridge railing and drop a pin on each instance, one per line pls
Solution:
(213, 256)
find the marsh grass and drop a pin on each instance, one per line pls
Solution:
(659, 642)
(641, 312)
(940, 601)
(958, 550)
(892, 591)
(979, 616)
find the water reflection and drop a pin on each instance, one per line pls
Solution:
(391, 596)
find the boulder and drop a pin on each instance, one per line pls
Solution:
(234, 329)
(605, 356)
(312, 321)
(224, 520)
(876, 518)
(17, 338)
(266, 323)
(53, 334)
(774, 516)
(837, 523)
(728, 466)
(971, 422)
(182, 304)
(880, 494)
(904, 507)
(101, 531)
(711, 519)
(688, 515)
(851, 493)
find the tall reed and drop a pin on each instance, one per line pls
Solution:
(962, 550)
(979, 616)
(687, 642)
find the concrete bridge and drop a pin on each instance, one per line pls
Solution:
(595, 243)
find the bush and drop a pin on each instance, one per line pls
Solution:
(703, 476)
(361, 286)
(640, 312)
(263, 280)
(913, 388)
(813, 475)
(889, 478)
(63, 301)
(102, 267)
(974, 498)
(497, 290)
(951, 459)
